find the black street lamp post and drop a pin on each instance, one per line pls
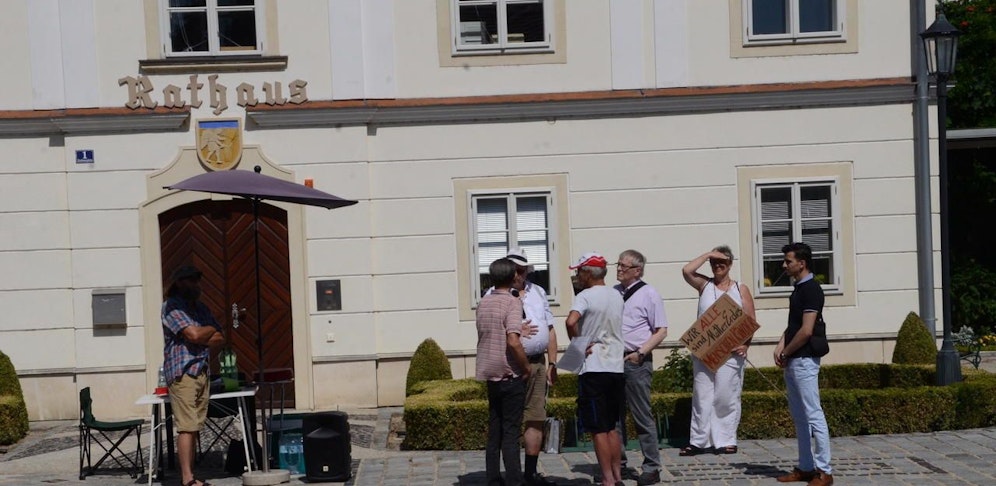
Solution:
(940, 45)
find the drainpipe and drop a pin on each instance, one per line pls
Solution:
(921, 168)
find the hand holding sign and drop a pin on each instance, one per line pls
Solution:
(721, 329)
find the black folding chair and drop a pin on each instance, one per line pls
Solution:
(93, 431)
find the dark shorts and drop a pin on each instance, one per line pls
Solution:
(600, 399)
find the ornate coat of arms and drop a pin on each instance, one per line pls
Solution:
(219, 143)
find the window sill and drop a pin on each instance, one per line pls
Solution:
(212, 64)
(794, 41)
(502, 52)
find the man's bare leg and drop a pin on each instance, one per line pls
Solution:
(185, 455)
(608, 455)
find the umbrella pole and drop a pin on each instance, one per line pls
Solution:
(259, 327)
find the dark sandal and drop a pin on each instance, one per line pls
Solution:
(727, 450)
(194, 481)
(691, 450)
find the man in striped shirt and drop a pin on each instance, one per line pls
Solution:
(502, 363)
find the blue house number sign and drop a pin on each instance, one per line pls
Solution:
(84, 156)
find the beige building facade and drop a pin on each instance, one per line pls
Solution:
(463, 128)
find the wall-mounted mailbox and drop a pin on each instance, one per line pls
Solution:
(329, 296)
(109, 310)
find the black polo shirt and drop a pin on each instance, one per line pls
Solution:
(807, 296)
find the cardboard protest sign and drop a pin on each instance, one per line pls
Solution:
(721, 328)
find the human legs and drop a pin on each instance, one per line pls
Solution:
(189, 397)
(729, 381)
(534, 417)
(638, 399)
(703, 397)
(599, 401)
(505, 402)
(802, 383)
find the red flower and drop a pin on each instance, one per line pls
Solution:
(970, 8)
(964, 23)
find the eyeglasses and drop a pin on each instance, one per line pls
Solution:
(622, 267)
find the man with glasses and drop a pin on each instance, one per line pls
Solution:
(644, 326)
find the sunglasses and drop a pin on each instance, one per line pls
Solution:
(713, 261)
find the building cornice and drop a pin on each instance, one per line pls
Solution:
(580, 105)
(90, 121)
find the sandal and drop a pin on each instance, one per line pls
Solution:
(194, 481)
(727, 450)
(691, 450)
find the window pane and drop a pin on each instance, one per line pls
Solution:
(186, 3)
(769, 17)
(530, 213)
(817, 15)
(235, 3)
(817, 233)
(815, 201)
(776, 203)
(525, 22)
(775, 235)
(774, 274)
(188, 31)
(492, 231)
(478, 24)
(237, 30)
(823, 269)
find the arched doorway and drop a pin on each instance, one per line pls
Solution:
(217, 237)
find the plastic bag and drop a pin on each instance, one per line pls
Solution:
(551, 436)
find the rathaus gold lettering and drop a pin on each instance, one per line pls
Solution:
(139, 89)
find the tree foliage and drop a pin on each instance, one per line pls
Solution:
(972, 101)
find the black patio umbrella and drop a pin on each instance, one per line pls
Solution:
(257, 187)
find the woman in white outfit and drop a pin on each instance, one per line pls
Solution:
(716, 396)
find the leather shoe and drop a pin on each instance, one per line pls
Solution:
(539, 480)
(629, 473)
(649, 477)
(797, 475)
(821, 479)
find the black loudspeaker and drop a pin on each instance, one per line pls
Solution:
(327, 450)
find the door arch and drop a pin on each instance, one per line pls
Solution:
(218, 237)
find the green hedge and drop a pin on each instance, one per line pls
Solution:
(453, 415)
(13, 412)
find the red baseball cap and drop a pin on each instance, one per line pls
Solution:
(590, 259)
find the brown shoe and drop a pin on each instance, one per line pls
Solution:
(821, 479)
(797, 475)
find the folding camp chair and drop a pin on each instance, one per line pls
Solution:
(111, 447)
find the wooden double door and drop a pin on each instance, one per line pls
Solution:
(217, 237)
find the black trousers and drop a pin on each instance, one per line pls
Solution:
(506, 399)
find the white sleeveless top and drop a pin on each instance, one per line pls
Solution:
(710, 294)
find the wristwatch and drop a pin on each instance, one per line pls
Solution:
(781, 356)
(640, 355)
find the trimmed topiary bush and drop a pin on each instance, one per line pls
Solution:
(13, 412)
(428, 363)
(914, 344)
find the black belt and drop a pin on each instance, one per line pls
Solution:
(537, 358)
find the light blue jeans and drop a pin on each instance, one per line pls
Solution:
(802, 377)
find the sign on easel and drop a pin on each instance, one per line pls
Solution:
(721, 328)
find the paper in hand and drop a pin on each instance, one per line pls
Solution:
(573, 358)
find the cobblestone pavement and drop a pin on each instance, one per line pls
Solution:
(49, 455)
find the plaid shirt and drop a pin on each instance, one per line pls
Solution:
(179, 356)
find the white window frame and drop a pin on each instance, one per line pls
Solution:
(830, 288)
(214, 45)
(503, 46)
(553, 293)
(794, 36)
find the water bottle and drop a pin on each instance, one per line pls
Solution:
(290, 452)
(162, 377)
(298, 446)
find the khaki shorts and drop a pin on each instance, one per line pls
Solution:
(535, 409)
(189, 396)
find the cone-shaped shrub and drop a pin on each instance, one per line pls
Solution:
(428, 363)
(13, 412)
(914, 345)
